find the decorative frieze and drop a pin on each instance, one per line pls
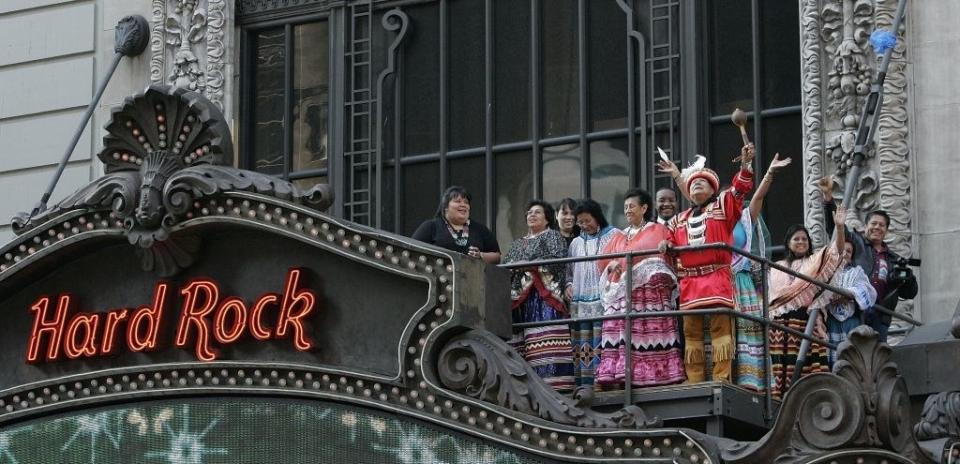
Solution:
(188, 44)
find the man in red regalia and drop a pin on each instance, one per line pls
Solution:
(706, 280)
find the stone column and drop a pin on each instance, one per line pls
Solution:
(934, 41)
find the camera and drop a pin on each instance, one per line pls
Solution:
(901, 269)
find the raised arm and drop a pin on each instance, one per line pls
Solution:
(742, 182)
(756, 204)
(826, 189)
(840, 229)
(668, 167)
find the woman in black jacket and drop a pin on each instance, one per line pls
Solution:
(452, 228)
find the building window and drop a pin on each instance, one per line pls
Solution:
(753, 63)
(516, 99)
(286, 100)
(528, 99)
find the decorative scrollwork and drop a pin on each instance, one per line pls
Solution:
(482, 366)
(940, 418)
(164, 150)
(863, 404)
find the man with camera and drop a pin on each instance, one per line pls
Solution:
(889, 273)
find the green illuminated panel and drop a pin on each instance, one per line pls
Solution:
(235, 430)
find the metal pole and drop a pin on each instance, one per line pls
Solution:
(132, 36)
(628, 337)
(871, 111)
(804, 345)
(767, 396)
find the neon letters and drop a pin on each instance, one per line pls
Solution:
(205, 321)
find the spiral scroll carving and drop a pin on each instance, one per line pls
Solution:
(863, 404)
(829, 411)
(480, 365)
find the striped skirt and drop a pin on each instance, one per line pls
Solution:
(656, 358)
(749, 368)
(546, 348)
(586, 342)
(785, 347)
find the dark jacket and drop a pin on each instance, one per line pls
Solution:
(864, 256)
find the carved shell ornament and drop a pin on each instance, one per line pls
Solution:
(166, 148)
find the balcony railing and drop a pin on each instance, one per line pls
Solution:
(630, 314)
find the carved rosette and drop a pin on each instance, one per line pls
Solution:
(863, 405)
(188, 46)
(165, 149)
(839, 65)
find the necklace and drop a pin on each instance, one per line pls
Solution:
(633, 231)
(460, 237)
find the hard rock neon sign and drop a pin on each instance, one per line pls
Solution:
(206, 319)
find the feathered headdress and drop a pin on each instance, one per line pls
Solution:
(698, 170)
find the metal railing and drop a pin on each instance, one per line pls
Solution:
(766, 265)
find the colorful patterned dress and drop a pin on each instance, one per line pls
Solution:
(789, 299)
(749, 366)
(843, 315)
(655, 351)
(536, 296)
(585, 282)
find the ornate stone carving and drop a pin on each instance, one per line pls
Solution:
(838, 68)
(846, 26)
(158, 9)
(893, 150)
(940, 418)
(164, 150)
(480, 365)
(812, 116)
(184, 30)
(863, 404)
(845, 29)
(188, 46)
(216, 51)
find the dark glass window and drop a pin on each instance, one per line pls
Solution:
(287, 101)
(513, 99)
(731, 44)
(511, 70)
(421, 81)
(773, 106)
(514, 190)
(267, 126)
(465, 75)
(560, 73)
(311, 97)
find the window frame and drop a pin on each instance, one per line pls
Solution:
(248, 31)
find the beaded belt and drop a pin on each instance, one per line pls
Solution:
(700, 270)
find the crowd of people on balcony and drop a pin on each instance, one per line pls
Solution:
(589, 346)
